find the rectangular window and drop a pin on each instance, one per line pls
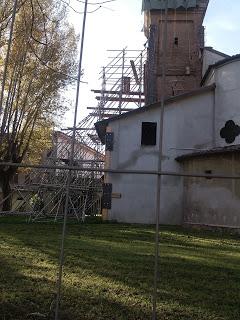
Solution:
(149, 133)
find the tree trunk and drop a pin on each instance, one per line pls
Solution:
(5, 178)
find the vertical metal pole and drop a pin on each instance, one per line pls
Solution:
(122, 82)
(8, 55)
(159, 178)
(71, 161)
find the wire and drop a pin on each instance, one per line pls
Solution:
(79, 12)
(97, 3)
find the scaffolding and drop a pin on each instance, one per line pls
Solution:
(122, 90)
(41, 193)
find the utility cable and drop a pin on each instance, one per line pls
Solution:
(79, 12)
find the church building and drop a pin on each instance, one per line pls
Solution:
(201, 131)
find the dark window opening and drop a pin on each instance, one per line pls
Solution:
(176, 41)
(149, 133)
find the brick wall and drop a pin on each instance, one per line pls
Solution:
(185, 41)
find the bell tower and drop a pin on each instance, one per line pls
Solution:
(184, 46)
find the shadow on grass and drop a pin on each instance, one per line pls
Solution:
(109, 272)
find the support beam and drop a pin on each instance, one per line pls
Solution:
(135, 72)
(122, 99)
(79, 129)
(109, 109)
(106, 115)
(131, 93)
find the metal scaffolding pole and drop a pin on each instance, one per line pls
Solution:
(71, 161)
(118, 171)
(122, 82)
(159, 178)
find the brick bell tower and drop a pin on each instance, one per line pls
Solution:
(185, 43)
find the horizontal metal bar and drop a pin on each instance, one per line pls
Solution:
(106, 115)
(90, 161)
(121, 99)
(126, 57)
(77, 129)
(126, 50)
(108, 109)
(118, 171)
(132, 93)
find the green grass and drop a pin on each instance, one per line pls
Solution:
(108, 272)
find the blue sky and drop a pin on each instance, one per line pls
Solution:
(223, 25)
(119, 24)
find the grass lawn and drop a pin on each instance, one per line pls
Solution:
(109, 272)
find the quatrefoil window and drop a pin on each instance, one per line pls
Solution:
(230, 131)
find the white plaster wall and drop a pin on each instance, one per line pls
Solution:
(227, 98)
(211, 201)
(188, 125)
(213, 206)
(210, 58)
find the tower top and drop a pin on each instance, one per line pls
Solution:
(185, 41)
(148, 5)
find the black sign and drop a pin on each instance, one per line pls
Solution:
(109, 141)
(107, 196)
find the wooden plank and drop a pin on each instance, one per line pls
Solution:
(116, 195)
(134, 72)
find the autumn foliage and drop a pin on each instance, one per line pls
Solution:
(40, 65)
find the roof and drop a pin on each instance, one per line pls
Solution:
(102, 125)
(229, 59)
(81, 144)
(172, 4)
(211, 49)
(209, 152)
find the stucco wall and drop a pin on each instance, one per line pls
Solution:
(209, 58)
(183, 130)
(191, 124)
(227, 78)
(212, 201)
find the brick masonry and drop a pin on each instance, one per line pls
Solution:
(185, 41)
